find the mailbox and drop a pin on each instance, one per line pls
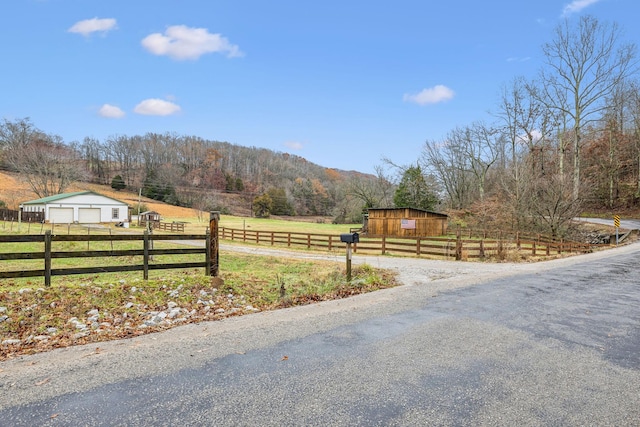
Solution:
(350, 238)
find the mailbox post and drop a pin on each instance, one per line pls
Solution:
(349, 239)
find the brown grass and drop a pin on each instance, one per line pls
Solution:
(15, 190)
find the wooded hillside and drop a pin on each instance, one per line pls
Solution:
(185, 171)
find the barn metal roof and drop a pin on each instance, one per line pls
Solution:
(57, 197)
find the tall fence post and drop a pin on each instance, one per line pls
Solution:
(47, 258)
(458, 245)
(207, 246)
(214, 243)
(145, 269)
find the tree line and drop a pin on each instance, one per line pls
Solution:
(189, 171)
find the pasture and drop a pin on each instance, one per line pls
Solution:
(95, 307)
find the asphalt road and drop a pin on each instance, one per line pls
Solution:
(555, 343)
(625, 224)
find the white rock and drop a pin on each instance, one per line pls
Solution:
(11, 342)
(93, 312)
(174, 313)
(171, 305)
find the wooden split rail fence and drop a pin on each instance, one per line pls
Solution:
(456, 247)
(146, 252)
(448, 247)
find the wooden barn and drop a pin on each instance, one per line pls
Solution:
(404, 222)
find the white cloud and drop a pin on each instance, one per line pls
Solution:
(89, 26)
(518, 59)
(535, 136)
(156, 107)
(181, 42)
(293, 145)
(111, 111)
(577, 6)
(438, 93)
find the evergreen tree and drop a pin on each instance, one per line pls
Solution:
(280, 203)
(414, 191)
(117, 183)
(262, 206)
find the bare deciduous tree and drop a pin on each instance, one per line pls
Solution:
(585, 64)
(47, 164)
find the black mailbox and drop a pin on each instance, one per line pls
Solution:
(350, 238)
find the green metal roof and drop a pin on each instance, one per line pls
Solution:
(57, 197)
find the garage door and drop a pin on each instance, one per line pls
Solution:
(61, 215)
(89, 215)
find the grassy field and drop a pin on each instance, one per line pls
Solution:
(97, 307)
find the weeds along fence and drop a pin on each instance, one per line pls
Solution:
(146, 251)
(455, 247)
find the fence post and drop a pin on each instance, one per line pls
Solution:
(418, 246)
(214, 218)
(458, 245)
(330, 242)
(384, 245)
(481, 248)
(145, 269)
(207, 246)
(47, 258)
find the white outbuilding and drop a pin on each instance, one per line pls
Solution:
(84, 207)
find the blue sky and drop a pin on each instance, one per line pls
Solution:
(341, 83)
